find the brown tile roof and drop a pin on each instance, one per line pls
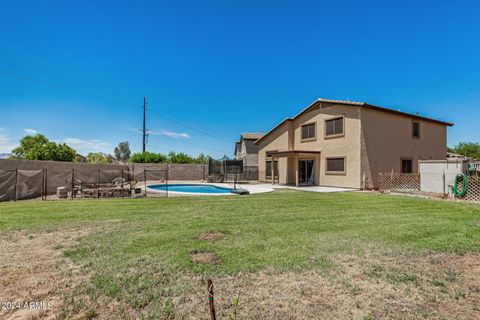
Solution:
(357, 104)
(252, 136)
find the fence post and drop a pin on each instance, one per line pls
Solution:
(98, 183)
(73, 183)
(46, 183)
(15, 186)
(122, 183)
(166, 183)
(145, 181)
(43, 184)
(210, 299)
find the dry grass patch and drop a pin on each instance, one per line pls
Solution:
(436, 286)
(204, 257)
(34, 269)
(212, 236)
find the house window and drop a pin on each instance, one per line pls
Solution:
(336, 165)
(308, 131)
(416, 130)
(406, 165)
(268, 168)
(334, 127)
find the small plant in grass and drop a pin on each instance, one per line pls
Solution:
(459, 295)
(234, 302)
(450, 275)
(375, 271)
(401, 277)
(438, 283)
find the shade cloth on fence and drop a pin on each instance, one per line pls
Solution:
(7, 185)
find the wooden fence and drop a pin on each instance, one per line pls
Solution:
(395, 181)
(473, 189)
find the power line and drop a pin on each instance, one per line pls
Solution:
(82, 91)
(189, 127)
(66, 75)
(60, 86)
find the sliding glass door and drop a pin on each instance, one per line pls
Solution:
(306, 174)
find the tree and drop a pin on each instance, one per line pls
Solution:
(172, 157)
(468, 149)
(148, 157)
(122, 151)
(99, 157)
(179, 157)
(201, 158)
(38, 147)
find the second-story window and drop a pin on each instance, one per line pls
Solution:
(308, 131)
(416, 130)
(334, 127)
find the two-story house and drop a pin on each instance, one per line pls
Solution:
(346, 144)
(247, 150)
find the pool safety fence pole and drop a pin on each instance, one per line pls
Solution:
(210, 299)
(15, 186)
(145, 181)
(166, 183)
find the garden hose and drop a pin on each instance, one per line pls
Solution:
(465, 185)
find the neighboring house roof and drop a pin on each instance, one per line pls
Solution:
(251, 136)
(355, 104)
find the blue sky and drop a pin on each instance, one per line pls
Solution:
(77, 71)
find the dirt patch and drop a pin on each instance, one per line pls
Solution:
(436, 286)
(34, 270)
(212, 236)
(204, 258)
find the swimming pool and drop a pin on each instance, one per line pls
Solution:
(191, 188)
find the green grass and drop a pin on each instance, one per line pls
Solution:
(283, 231)
(145, 244)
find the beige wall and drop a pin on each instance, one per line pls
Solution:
(374, 142)
(276, 140)
(387, 138)
(346, 146)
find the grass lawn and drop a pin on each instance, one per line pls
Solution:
(288, 255)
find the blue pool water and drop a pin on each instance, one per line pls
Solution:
(190, 188)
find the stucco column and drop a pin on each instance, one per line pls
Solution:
(273, 170)
(296, 170)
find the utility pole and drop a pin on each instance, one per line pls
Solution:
(144, 120)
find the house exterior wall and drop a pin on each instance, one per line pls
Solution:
(373, 141)
(275, 141)
(288, 137)
(249, 152)
(347, 145)
(387, 138)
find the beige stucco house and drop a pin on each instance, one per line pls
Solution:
(247, 150)
(346, 144)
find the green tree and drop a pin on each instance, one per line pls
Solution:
(468, 149)
(201, 158)
(148, 157)
(99, 157)
(38, 147)
(122, 151)
(179, 157)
